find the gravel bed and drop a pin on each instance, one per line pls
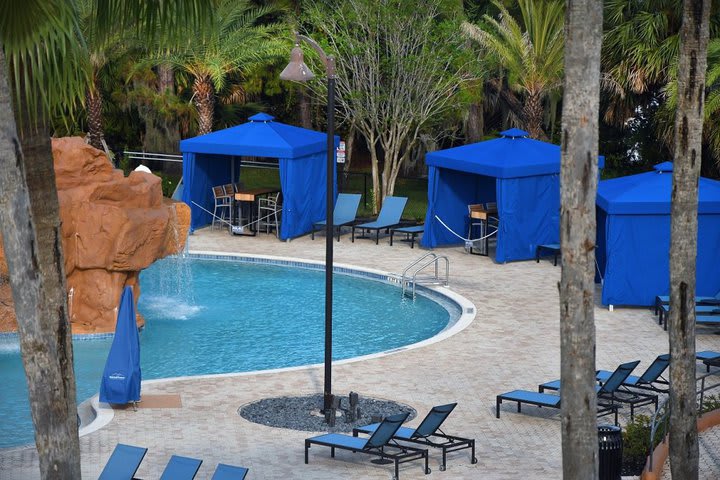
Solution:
(303, 413)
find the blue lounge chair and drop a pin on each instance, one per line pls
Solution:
(123, 463)
(380, 443)
(344, 213)
(612, 389)
(709, 358)
(651, 376)
(700, 311)
(229, 472)
(429, 433)
(389, 216)
(661, 300)
(181, 468)
(545, 400)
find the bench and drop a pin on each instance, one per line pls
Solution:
(410, 233)
(551, 249)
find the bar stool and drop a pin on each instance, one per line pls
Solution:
(222, 204)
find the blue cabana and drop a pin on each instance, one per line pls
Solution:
(212, 159)
(518, 173)
(633, 237)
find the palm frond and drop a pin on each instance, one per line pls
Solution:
(44, 51)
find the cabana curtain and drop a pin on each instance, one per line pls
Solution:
(633, 237)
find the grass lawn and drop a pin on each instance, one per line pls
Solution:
(414, 189)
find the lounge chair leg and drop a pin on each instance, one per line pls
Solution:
(397, 469)
(312, 234)
(391, 236)
(427, 457)
(444, 460)
(473, 458)
(377, 237)
(353, 235)
(332, 452)
(519, 407)
(498, 401)
(307, 447)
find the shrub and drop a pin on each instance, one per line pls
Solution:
(636, 444)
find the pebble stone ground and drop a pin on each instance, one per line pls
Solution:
(513, 343)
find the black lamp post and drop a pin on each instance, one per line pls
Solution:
(299, 72)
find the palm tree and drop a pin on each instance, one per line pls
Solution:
(241, 37)
(100, 50)
(531, 56)
(640, 60)
(41, 53)
(668, 107)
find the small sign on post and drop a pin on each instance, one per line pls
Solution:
(340, 152)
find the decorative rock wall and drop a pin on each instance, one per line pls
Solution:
(113, 227)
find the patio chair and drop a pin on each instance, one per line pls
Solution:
(389, 216)
(123, 463)
(229, 472)
(546, 400)
(380, 443)
(612, 389)
(223, 203)
(181, 468)
(344, 213)
(269, 209)
(429, 433)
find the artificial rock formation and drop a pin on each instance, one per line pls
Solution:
(113, 227)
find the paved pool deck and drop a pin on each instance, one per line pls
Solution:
(513, 343)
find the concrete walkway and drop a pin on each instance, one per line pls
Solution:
(512, 344)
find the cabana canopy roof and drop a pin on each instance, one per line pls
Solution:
(649, 193)
(260, 137)
(512, 155)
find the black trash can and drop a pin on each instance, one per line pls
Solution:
(610, 443)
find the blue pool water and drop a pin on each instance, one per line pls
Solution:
(210, 316)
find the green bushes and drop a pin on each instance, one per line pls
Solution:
(636, 444)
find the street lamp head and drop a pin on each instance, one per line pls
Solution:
(296, 70)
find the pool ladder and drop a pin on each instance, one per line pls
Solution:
(409, 278)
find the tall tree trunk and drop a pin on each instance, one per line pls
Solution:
(375, 169)
(533, 115)
(304, 101)
(94, 101)
(578, 186)
(162, 131)
(683, 237)
(204, 99)
(475, 127)
(166, 79)
(349, 148)
(30, 227)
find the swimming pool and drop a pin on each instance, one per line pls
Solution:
(214, 316)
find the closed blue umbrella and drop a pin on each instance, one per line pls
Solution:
(121, 378)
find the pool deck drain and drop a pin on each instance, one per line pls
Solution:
(513, 343)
